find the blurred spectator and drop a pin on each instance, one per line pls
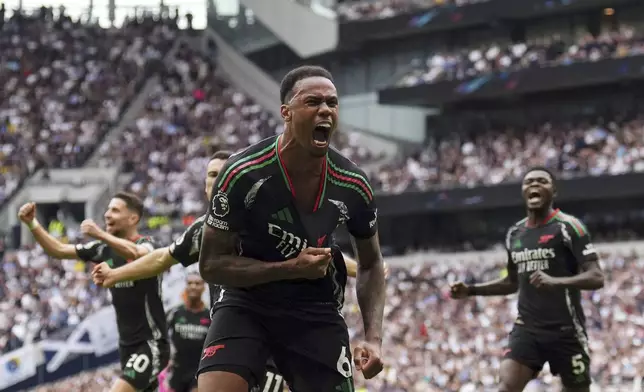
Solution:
(350, 10)
(492, 157)
(436, 344)
(64, 84)
(549, 51)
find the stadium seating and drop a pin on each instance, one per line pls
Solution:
(548, 51)
(351, 10)
(65, 84)
(432, 343)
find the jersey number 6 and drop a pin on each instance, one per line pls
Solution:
(344, 364)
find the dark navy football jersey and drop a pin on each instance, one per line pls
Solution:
(558, 247)
(252, 197)
(139, 309)
(185, 249)
(188, 330)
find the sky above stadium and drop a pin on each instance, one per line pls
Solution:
(125, 7)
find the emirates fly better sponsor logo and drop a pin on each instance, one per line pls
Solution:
(530, 260)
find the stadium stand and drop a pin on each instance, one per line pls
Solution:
(548, 51)
(65, 85)
(350, 10)
(66, 92)
(436, 344)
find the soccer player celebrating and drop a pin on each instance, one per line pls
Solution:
(186, 251)
(143, 347)
(269, 241)
(188, 325)
(550, 259)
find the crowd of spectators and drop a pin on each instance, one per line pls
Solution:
(352, 10)
(540, 52)
(433, 343)
(500, 155)
(64, 84)
(193, 112)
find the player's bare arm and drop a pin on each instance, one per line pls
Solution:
(370, 291)
(148, 266)
(219, 263)
(352, 267)
(51, 246)
(123, 247)
(507, 285)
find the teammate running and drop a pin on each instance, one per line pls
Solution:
(188, 325)
(550, 259)
(269, 240)
(140, 318)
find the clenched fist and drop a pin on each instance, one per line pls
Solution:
(459, 290)
(366, 357)
(90, 228)
(27, 212)
(312, 263)
(102, 276)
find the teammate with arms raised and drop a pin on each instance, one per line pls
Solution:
(143, 347)
(550, 259)
(268, 240)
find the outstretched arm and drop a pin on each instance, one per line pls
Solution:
(148, 266)
(503, 286)
(125, 248)
(51, 245)
(370, 286)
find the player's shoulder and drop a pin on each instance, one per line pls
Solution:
(347, 174)
(246, 163)
(517, 226)
(571, 223)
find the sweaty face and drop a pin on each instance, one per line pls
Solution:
(313, 113)
(194, 286)
(538, 189)
(118, 218)
(214, 167)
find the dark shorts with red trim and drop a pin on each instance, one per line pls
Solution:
(310, 356)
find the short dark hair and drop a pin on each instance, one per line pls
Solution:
(541, 168)
(132, 202)
(221, 154)
(297, 74)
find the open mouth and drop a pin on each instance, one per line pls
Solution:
(321, 134)
(534, 196)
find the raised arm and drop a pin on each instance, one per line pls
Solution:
(148, 266)
(125, 248)
(50, 245)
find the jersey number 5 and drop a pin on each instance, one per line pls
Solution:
(138, 362)
(578, 365)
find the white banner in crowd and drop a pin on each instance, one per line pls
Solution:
(19, 365)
